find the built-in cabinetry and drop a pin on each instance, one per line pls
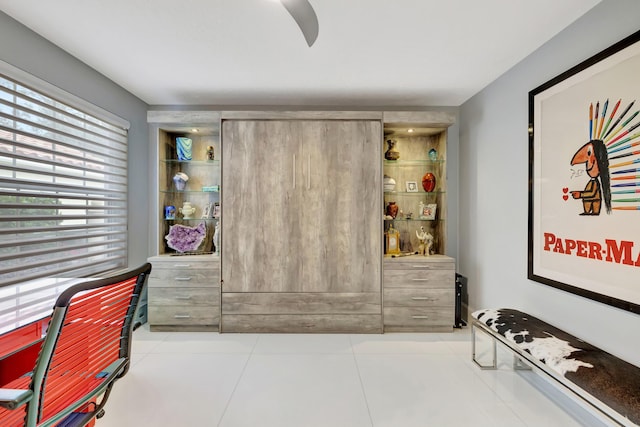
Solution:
(419, 280)
(184, 293)
(419, 293)
(184, 286)
(301, 235)
(300, 225)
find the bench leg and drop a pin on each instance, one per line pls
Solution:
(519, 365)
(494, 365)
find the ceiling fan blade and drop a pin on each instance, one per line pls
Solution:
(305, 17)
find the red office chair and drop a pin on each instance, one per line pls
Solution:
(86, 349)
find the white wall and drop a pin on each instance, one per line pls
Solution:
(26, 50)
(494, 188)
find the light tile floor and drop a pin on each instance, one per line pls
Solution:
(281, 380)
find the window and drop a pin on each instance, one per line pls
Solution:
(63, 184)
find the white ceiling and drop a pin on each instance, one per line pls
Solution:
(251, 52)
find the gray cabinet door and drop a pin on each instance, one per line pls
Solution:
(260, 206)
(301, 206)
(340, 211)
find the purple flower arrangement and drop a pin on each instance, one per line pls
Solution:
(185, 239)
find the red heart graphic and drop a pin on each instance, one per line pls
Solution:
(565, 190)
(565, 197)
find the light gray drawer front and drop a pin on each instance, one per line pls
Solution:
(189, 277)
(296, 323)
(186, 296)
(393, 265)
(178, 315)
(184, 263)
(405, 297)
(419, 316)
(419, 279)
(301, 303)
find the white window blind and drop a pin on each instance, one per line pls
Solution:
(63, 187)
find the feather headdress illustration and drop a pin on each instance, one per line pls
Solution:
(613, 182)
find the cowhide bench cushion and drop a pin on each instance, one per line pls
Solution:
(609, 379)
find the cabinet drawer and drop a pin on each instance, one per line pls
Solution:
(187, 277)
(419, 279)
(272, 303)
(186, 296)
(415, 318)
(179, 315)
(406, 297)
(185, 262)
(428, 266)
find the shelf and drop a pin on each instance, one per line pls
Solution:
(398, 163)
(412, 220)
(191, 162)
(191, 219)
(419, 193)
(188, 192)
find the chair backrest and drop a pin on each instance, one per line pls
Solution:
(87, 346)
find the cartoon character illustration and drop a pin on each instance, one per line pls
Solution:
(596, 155)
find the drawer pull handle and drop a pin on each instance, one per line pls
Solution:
(420, 298)
(184, 297)
(182, 265)
(420, 317)
(418, 266)
(182, 279)
(420, 280)
(181, 316)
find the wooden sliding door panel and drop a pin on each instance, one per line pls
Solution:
(340, 215)
(260, 199)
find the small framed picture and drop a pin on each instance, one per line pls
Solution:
(412, 186)
(207, 211)
(428, 211)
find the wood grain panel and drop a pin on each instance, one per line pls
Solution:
(184, 296)
(302, 115)
(261, 206)
(301, 303)
(312, 323)
(419, 297)
(419, 318)
(185, 277)
(183, 316)
(419, 279)
(340, 211)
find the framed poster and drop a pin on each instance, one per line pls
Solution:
(584, 178)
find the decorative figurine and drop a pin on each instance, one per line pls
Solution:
(210, 155)
(187, 210)
(429, 182)
(169, 212)
(392, 209)
(389, 183)
(392, 153)
(426, 242)
(433, 155)
(180, 180)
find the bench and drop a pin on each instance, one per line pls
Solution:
(605, 382)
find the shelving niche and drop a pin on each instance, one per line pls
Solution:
(202, 189)
(421, 150)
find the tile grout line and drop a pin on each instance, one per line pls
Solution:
(364, 393)
(235, 387)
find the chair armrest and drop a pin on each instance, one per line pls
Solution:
(14, 398)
